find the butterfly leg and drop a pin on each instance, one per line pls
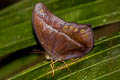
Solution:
(66, 65)
(74, 59)
(52, 66)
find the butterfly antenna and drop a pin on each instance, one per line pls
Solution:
(37, 51)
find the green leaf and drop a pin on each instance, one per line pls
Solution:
(18, 65)
(16, 33)
(95, 12)
(22, 5)
(101, 62)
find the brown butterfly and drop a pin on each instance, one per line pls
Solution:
(61, 40)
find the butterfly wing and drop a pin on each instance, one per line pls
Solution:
(59, 41)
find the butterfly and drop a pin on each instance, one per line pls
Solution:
(60, 39)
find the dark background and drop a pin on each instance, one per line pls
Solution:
(5, 3)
